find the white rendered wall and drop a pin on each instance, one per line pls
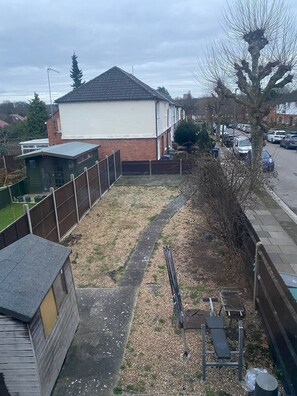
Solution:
(108, 120)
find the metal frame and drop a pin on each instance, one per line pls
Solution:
(238, 352)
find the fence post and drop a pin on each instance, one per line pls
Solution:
(256, 269)
(114, 164)
(10, 194)
(52, 190)
(150, 163)
(88, 186)
(108, 176)
(75, 196)
(181, 166)
(27, 211)
(99, 178)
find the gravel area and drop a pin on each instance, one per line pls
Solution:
(101, 246)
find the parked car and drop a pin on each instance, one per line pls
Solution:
(289, 141)
(275, 136)
(267, 160)
(228, 139)
(241, 146)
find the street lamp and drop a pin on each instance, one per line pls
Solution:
(49, 86)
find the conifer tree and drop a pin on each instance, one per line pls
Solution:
(76, 73)
(37, 117)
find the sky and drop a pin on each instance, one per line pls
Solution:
(161, 42)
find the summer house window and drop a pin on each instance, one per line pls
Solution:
(50, 306)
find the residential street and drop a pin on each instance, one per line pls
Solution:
(285, 165)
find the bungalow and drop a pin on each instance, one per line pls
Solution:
(38, 315)
(118, 112)
(52, 166)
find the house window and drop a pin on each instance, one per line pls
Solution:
(48, 312)
(52, 302)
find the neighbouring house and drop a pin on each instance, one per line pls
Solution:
(32, 145)
(38, 315)
(285, 110)
(119, 112)
(52, 166)
(3, 124)
(17, 117)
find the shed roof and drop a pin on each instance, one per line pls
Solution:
(66, 150)
(28, 268)
(114, 84)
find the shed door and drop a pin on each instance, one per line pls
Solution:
(59, 175)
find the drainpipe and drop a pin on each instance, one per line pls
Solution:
(156, 123)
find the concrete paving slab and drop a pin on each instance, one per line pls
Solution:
(288, 249)
(271, 228)
(273, 249)
(94, 358)
(267, 220)
(281, 241)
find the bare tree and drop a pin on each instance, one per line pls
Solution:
(258, 56)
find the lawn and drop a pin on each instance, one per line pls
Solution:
(11, 213)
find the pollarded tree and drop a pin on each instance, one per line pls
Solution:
(37, 117)
(261, 55)
(76, 73)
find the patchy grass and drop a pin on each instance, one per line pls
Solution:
(104, 240)
(11, 213)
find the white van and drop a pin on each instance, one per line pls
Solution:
(241, 146)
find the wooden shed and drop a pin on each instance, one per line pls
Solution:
(38, 315)
(52, 166)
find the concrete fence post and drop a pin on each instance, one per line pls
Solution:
(52, 190)
(72, 178)
(27, 211)
(114, 164)
(99, 178)
(88, 186)
(150, 164)
(108, 176)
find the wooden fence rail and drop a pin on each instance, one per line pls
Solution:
(56, 215)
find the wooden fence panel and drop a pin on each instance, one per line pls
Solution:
(166, 167)
(279, 311)
(82, 194)
(118, 163)
(275, 304)
(66, 209)
(94, 183)
(135, 167)
(15, 231)
(111, 169)
(103, 176)
(43, 219)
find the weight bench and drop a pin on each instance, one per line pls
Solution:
(215, 325)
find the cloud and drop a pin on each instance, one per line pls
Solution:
(162, 40)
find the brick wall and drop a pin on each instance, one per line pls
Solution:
(53, 129)
(131, 149)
